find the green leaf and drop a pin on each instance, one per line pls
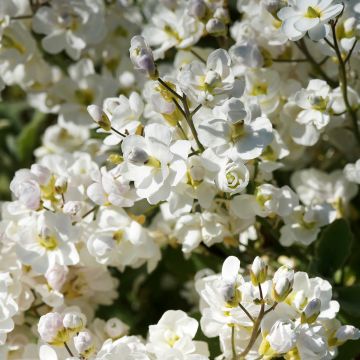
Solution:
(349, 298)
(29, 138)
(333, 248)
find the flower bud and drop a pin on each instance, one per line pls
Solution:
(258, 271)
(72, 208)
(311, 312)
(56, 276)
(197, 9)
(347, 332)
(83, 343)
(99, 116)
(216, 27)
(74, 321)
(61, 184)
(115, 328)
(51, 329)
(142, 57)
(222, 14)
(282, 283)
(229, 277)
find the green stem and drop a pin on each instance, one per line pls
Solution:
(344, 86)
(68, 349)
(303, 48)
(255, 332)
(189, 120)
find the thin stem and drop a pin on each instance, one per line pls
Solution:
(117, 132)
(196, 110)
(330, 44)
(167, 87)
(21, 17)
(198, 56)
(90, 211)
(179, 107)
(350, 52)
(246, 312)
(343, 84)
(271, 309)
(188, 118)
(289, 60)
(303, 48)
(255, 332)
(233, 347)
(68, 349)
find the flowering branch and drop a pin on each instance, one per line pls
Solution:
(343, 82)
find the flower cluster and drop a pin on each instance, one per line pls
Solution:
(179, 124)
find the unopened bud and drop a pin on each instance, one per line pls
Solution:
(115, 328)
(197, 9)
(282, 283)
(99, 116)
(72, 208)
(222, 14)
(216, 27)
(311, 312)
(56, 276)
(83, 343)
(61, 185)
(347, 332)
(142, 57)
(258, 271)
(74, 321)
(51, 329)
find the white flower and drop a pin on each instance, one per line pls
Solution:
(110, 188)
(347, 332)
(282, 337)
(124, 114)
(304, 224)
(210, 83)
(171, 29)
(70, 25)
(153, 162)
(47, 239)
(311, 121)
(231, 133)
(267, 200)
(8, 306)
(115, 328)
(117, 240)
(309, 16)
(128, 347)
(233, 177)
(175, 330)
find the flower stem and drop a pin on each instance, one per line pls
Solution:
(343, 84)
(255, 332)
(68, 349)
(303, 48)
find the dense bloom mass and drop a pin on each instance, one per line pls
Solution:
(196, 179)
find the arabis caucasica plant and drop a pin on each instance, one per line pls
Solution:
(184, 179)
